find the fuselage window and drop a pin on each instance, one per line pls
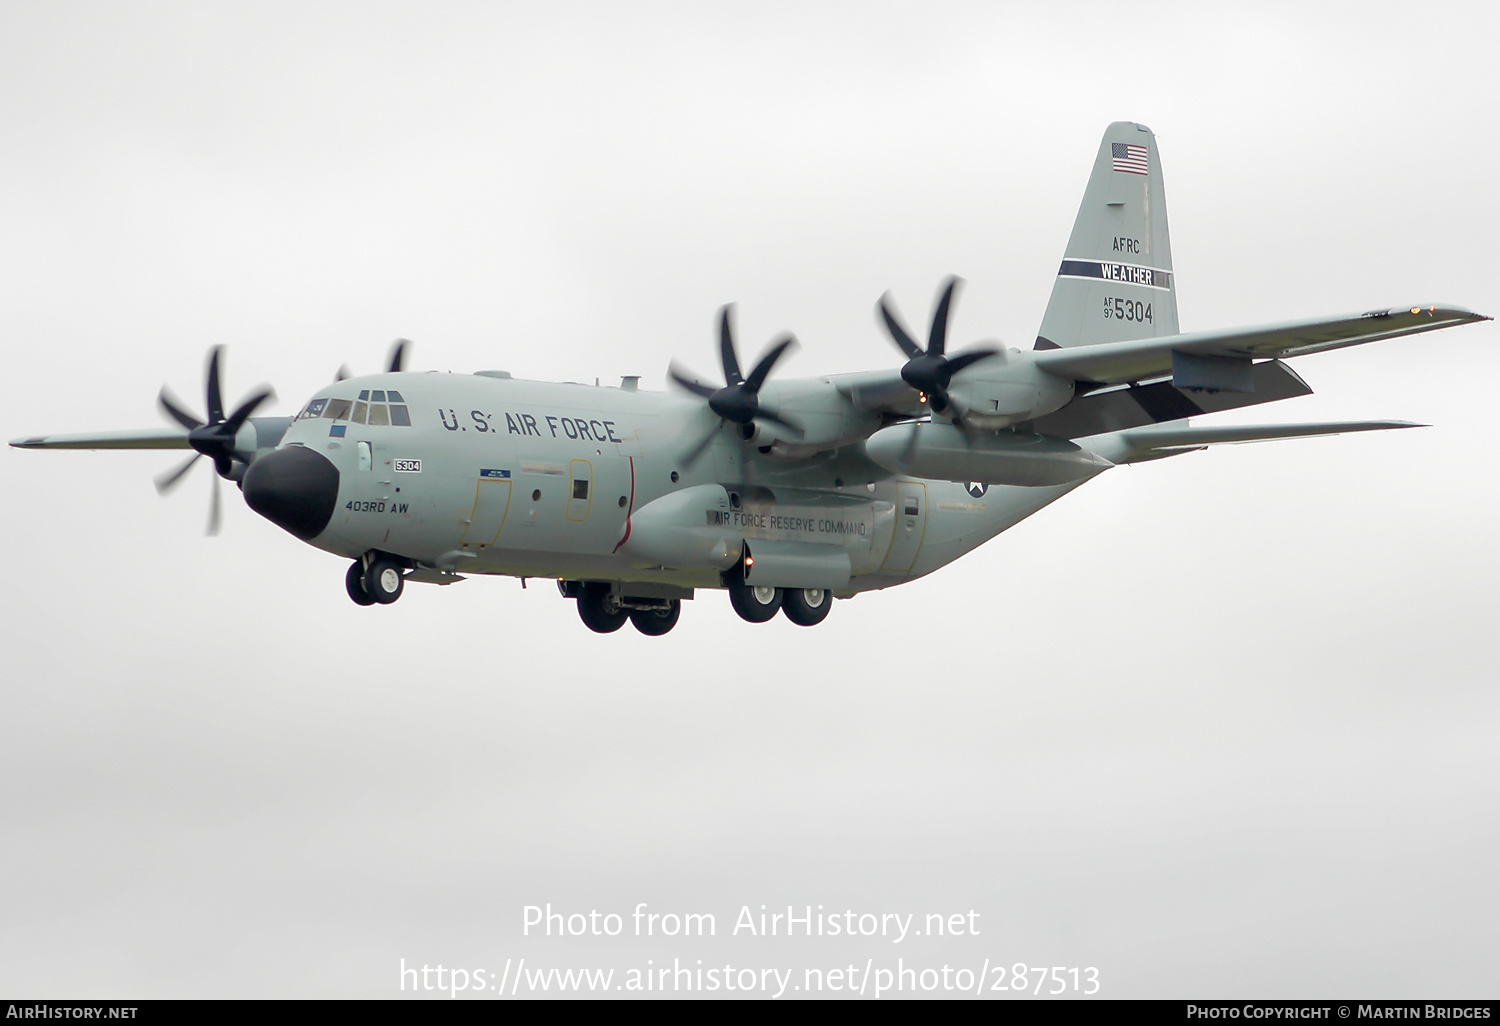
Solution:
(377, 397)
(399, 416)
(338, 409)
(359, 413)
(314, 409)
(395, 396)
(580, 489)
(378, 415)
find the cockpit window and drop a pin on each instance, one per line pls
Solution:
(377, 412)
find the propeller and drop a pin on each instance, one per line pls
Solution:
(738, 401)
(395, 360)
(214, 439)
(930, 370)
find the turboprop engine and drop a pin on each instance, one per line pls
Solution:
(936, 450)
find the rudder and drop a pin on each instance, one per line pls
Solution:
(1116, 282)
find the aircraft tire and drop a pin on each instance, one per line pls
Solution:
(599, 609)
(654, 623)
(383, 581)
(354, 583)
(757, 605)
(807, 607)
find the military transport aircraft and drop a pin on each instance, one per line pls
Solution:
(785, 493)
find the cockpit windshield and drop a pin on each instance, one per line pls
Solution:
(381, 408)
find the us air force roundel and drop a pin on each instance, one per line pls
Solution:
(977, 488)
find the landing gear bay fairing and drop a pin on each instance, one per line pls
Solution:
(786, 493)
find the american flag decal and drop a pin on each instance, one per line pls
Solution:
(1129, 158)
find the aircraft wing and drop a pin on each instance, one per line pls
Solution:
(882, 391)
(152, 438)
(1136, 445)
(1115, 363)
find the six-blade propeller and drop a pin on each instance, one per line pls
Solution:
(929, 370)
(395, 360)
(738, 401)
(214, 439)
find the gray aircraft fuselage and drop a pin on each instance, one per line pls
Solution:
(537, 479)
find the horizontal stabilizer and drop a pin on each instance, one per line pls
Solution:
(1149, 443)
(1115, 363)
(153, 438)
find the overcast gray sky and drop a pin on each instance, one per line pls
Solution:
(1223, 725)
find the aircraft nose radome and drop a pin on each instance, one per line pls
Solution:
(294, 488)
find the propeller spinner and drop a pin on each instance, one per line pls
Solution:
(738, 401)
(930, 370)
(214, 439)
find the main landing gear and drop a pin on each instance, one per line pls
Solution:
(805, 607)
(380, 582)
(604, 611)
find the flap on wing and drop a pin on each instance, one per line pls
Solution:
(1115, 409)
(153, 438)
(1148, 443)
(1119, 362)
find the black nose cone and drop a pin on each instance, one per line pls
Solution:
(294, 488)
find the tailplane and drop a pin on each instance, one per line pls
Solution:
(1116, 282)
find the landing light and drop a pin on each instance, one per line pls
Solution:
(1416, 309)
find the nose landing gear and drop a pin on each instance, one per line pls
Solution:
(354, 583)
(380, 582)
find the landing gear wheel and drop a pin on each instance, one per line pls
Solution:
(354, 584)
(807, 607)
(599, 608)
(754, 603)
(383, 581)
(655, 622)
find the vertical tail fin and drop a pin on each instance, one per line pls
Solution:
(1116, 280)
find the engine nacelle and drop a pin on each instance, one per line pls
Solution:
(941, 451)
(1007, 389)
(826, 417)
